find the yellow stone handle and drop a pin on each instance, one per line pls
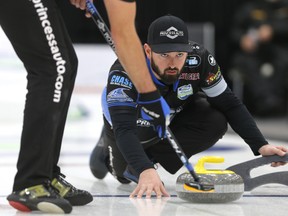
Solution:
(200, 169)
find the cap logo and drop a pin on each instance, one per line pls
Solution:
(172, 33)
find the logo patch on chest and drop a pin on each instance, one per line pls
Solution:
(183, 92)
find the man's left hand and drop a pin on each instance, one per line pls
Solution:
(268, 149)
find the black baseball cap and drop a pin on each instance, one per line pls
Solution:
(168, 34)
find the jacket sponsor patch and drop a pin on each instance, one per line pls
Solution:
(211, 60)
(183, 92)
(212, 77)
(189, 76)
(193, 61)
(121, 81)
(143, 123)
(118, 95)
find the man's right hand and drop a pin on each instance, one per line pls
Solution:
(81, 4)
(155, 109)
(149, 181)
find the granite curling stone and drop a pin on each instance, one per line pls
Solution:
(228, 186)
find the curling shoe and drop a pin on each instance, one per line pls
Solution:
(66, 190)
(39, 198)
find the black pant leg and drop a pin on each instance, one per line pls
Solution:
(116, 162)
(39, 37)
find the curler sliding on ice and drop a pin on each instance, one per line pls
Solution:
(190, 80)
(107, 35)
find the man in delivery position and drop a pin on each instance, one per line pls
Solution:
(190, 80)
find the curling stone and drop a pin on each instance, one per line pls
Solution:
(228, 186)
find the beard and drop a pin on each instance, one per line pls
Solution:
(166, 77)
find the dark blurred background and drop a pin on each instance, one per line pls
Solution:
(218, 12)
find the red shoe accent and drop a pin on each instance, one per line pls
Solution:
(19, 206)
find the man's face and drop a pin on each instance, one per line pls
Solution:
(167, 66)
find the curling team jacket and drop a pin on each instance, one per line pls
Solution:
(200, 73)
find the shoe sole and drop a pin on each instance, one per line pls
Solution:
(46, 207)
(19, 206)
(50, 208)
